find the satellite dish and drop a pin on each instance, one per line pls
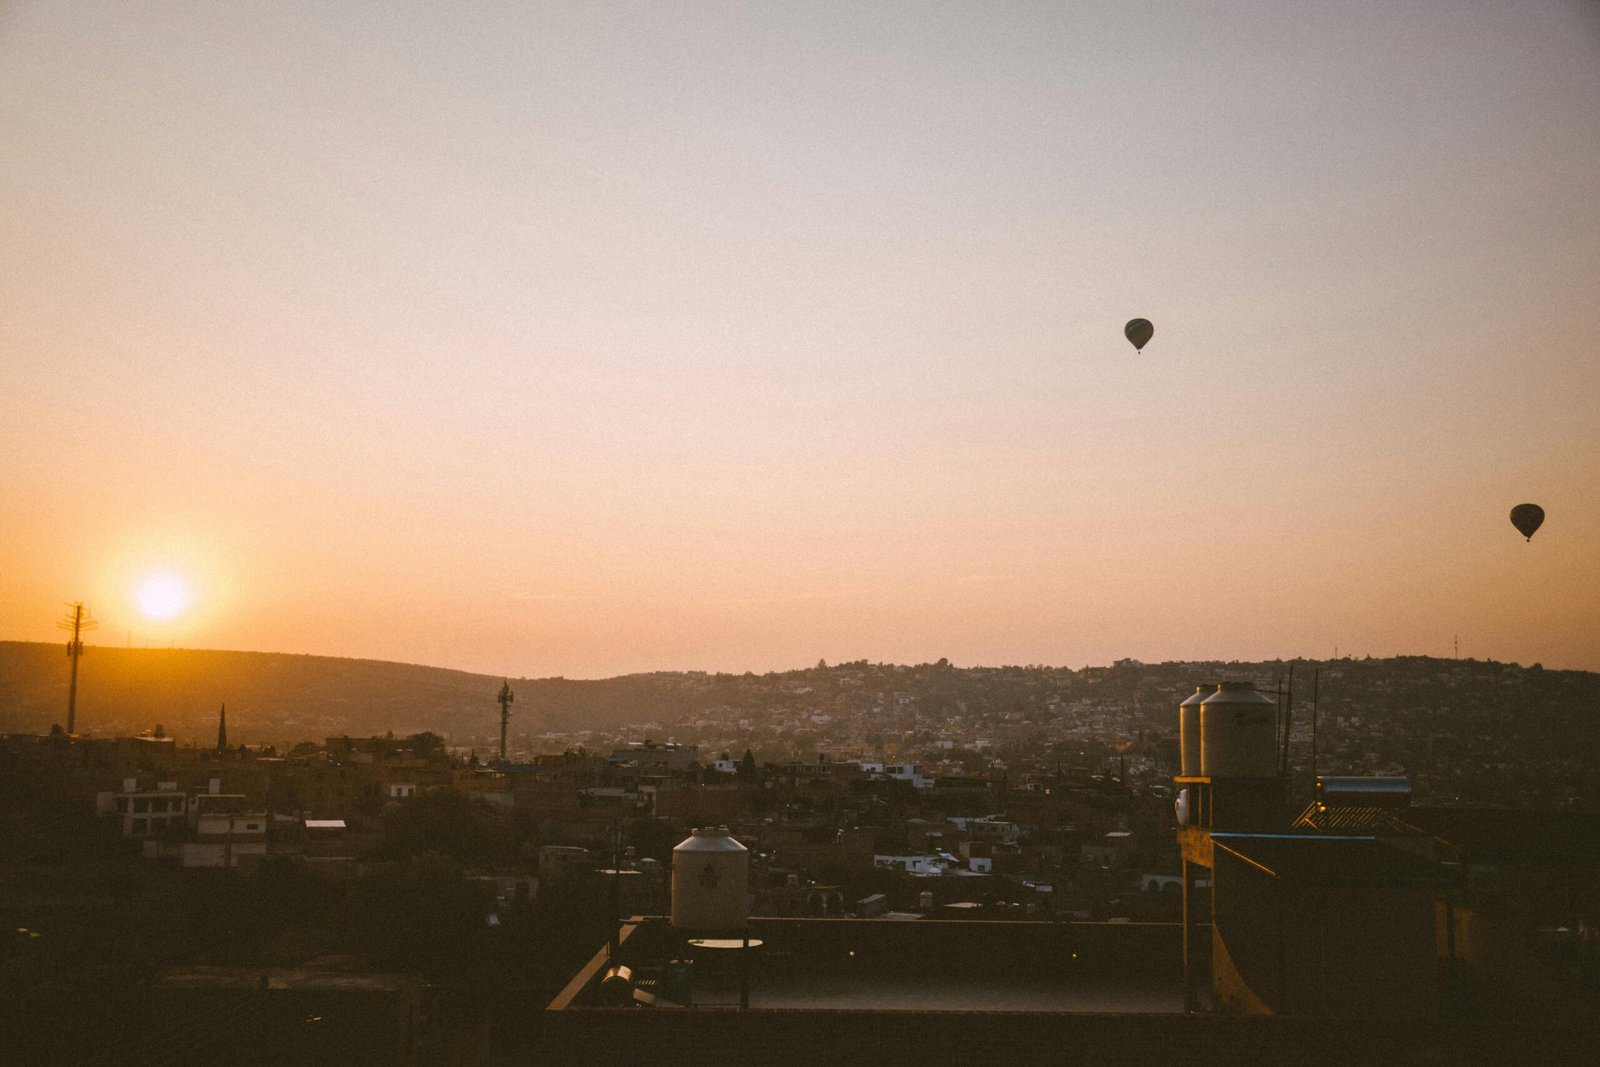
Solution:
(1138, 332)
(1527, 518)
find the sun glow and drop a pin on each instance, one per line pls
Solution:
(164, 596)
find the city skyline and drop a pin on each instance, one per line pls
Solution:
(548, 340)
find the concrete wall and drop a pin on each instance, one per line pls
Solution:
(666, 1037)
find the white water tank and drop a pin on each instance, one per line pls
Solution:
(710, 881)
(1189, 731)
(1238, 733)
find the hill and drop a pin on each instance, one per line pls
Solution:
(276, 698)
(1467, 728)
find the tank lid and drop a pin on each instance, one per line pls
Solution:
(709, 839)
(1200, 693)
(1237, 693)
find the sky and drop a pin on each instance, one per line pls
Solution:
(584, 339)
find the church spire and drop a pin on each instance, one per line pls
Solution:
(222, 729)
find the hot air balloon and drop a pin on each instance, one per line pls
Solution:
(1139, 332)
(1527, 518)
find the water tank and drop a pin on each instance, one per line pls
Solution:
(1238, 733)
(710, 881)
(1350, 792)
(1189, 731)
(616, 988)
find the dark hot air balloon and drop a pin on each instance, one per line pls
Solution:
(1527, 518)
(1139, 332)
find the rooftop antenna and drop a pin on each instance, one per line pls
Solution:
(78, 623)
(1277, 723)
(505, 698)
(1316, 676)
(1288, 720)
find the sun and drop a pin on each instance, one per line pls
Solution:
(164, 596)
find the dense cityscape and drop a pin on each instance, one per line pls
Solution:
(863, 791)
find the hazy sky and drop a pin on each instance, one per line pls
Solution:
(590, 338)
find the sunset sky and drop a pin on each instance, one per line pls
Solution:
(583, 339)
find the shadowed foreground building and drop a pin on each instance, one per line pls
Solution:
(710, 984)
(1358, 929)
(1363, 905)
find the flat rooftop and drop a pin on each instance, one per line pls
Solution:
(922, 966)
(941, 991)
(952, 993)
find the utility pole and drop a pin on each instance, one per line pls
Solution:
(77, 623)
(506, 697)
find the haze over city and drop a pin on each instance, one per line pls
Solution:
(590, 339)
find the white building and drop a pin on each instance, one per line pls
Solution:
(917, 863)
(146, 813)
(226, 835)
(900, 772)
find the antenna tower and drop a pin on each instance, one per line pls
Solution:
(505, 698)
(77, 624)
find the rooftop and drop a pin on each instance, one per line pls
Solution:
(898, 965)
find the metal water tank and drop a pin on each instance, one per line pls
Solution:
(1238, 733)
(1351, 792)
(710, 881)
(1189, 731)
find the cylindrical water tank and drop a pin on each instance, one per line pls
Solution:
(1238, 733)
(616, 988)
(1350, 792)
(710, 881)
(1189, 731)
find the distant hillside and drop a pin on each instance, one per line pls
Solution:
(1424, 703)
(275, 698)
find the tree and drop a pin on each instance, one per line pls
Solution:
(429, 746)
(450, 825)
